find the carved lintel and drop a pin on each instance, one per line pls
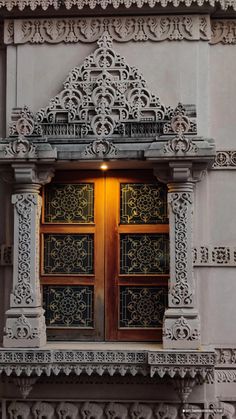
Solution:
(32, 174)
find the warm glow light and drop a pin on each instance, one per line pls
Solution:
(104, 166)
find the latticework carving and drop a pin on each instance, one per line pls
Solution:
(106, 98)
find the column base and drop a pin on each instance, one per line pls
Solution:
(25, 328)
(181, 329)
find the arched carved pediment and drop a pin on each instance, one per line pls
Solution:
(104, 98)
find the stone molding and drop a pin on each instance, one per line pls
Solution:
(214, 256)
(103, 4)
(147, 363)
(121, 29)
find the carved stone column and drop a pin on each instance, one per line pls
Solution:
(181, 328)
(25, 324)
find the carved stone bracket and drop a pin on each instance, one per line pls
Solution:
(25, 325)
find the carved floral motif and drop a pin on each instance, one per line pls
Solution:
(180, 124)
(20, 148)
(22, 329)
(181, 330)
(223, 31)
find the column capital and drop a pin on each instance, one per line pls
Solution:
(180, 171)
(32, 174)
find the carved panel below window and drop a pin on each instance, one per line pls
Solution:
(71, 203)
(68, 306)
(144, 254)
(68, 254)
(143, 203)
(142, 307)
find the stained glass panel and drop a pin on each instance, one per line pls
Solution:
(69, 203)
(143, 203)
(68, 306)
(144, 254)
(142, 307)
(68, 254)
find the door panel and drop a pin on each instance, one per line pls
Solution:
(105, 256)
(136, 257)
(72, 248)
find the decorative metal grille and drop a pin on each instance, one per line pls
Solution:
(68, 254)
(144, 254)
(143, 203)
(142, 307)
(70, 203)
(68, 306)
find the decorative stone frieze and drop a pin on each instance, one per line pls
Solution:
(225, 160)
(223, 31)
(121, 28)
(120, 362)
(103, 4)
(214, 256)
(25, 325)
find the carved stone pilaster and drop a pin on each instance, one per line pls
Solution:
(25, 324)
(181, 328)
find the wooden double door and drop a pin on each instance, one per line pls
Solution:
(104, 256)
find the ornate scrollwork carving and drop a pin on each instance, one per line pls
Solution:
(180, 124)
(101, 149)
(21, 329)
(223, 31)
(23, 123)
(181, 330)
(103, 98)
(20, 148)
(225, 159)
(181, 290)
